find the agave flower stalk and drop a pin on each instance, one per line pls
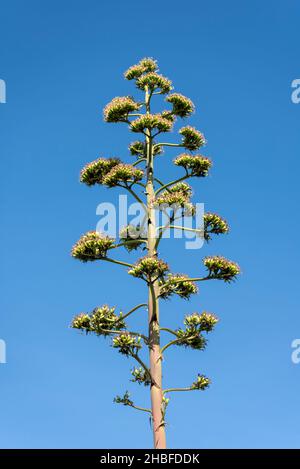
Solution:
(140, 180)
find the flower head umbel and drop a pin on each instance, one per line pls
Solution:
(94, 172)
(145, 65)
(198, 165)
(138, 149)
(122, 174)
(149, 268)
(92, 246)
(214, 224)
(182, 106)
(125, 400)
(132, 237)
(195, 325)
(140, 376)
(102, 320)
(151, 121)
(126, 343)
(204, 321)
(220, 268)
(201, 383)
(153, 81)
(119, 108)
(192, 138)
(177, 284)
(176, 195)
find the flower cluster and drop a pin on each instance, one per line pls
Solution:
(132, 237)
(138, 148)
(177, 195)
(182, 106)
(94, 172)
(198, 164)
(140, 376)
(213, 223)
(153, 81)
(144, 66)
(149, 268)
(92, 246)
(201, 383)
(191, 337)
(177, 284)
(151, 121)
(102, 320)
(122, 173)
(124, 399)
(204, 321)
(119, 108)
(192, 138)
(127, 343)
(221, 268)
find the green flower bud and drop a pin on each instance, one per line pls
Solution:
(201, 383)
(204, 321)
(124, 399)
(119, 108)
(191, 337)
(92, 246)
(126, 343)
(140, 376)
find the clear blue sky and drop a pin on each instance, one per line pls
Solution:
(62, 62)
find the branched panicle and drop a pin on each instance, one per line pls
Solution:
(172, 197)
